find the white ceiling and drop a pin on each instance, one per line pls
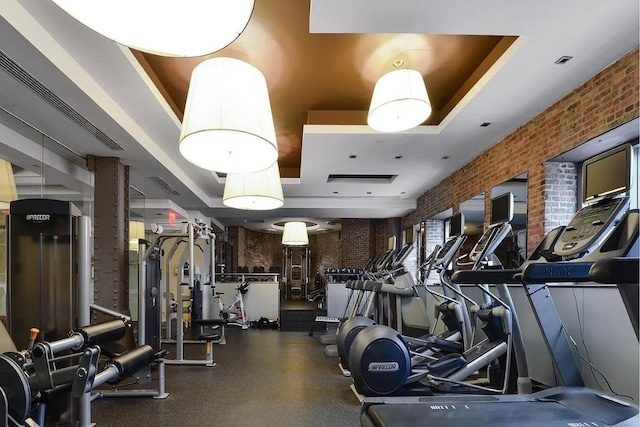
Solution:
(106, 84)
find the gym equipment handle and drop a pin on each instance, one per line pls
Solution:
(485, 276)
(615, 271)
(544, 272)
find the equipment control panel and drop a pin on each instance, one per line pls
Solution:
(587, 226)
(448, 251)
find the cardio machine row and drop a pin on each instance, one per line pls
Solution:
(385, 362)
(607, 253)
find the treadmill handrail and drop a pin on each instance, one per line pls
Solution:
(471, 277)
(560, 272)
(615, 271)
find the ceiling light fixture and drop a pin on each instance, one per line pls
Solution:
(399, 101)
(8, 189)
(563, 59)
(254, 191)
(295, 234)
(228, 124)
(190, 28)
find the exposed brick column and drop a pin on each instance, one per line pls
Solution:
(560, 194)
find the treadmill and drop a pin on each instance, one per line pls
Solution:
(600, 238)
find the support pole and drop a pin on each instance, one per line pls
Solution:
(84, 300)
(142, 294)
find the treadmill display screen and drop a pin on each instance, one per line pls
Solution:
(456, 225)
(606, 174)
(502, 208)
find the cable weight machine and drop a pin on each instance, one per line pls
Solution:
(296, 265)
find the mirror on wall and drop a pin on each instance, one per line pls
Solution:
(473, 211)
(435, 233)
(512, 252)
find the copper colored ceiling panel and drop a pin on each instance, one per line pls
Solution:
(333, 72)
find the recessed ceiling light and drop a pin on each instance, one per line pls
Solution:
(352, 156)
(563, 59)
(485, 124)
(397, 157)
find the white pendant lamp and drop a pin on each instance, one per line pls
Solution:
(295, 234)
(254, 191)
(228, 125)
(164, 27)
(399, 101)
(8, 190)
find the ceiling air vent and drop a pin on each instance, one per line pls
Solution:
(20, 74)
(165, 185)
(361, 179)
(254, 221)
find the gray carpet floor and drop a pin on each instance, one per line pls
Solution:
(263, 378)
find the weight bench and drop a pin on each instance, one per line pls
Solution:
(210, 338)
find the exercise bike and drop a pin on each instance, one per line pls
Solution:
(234, 314)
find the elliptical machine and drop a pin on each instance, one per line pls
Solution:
(395, 284)
(381, 358)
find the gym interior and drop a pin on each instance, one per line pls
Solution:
(332, 214)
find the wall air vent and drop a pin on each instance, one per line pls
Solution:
(20, 74)
(165, 185)
(363, 179)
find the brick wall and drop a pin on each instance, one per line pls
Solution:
(356, 239)
(604, 102)
(325, 252)
(560, 193)
(260, 249)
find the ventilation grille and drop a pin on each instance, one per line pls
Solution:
(165, 185)
(364, 179)
(19, 73)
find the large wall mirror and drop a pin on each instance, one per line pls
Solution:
(512, 252)
(473, 211)
(435, 236)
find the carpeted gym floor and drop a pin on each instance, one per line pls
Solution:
(263, 378)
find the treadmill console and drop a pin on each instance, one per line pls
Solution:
(587, 226)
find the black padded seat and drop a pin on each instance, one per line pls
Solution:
(209, 337)
(209, 322)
